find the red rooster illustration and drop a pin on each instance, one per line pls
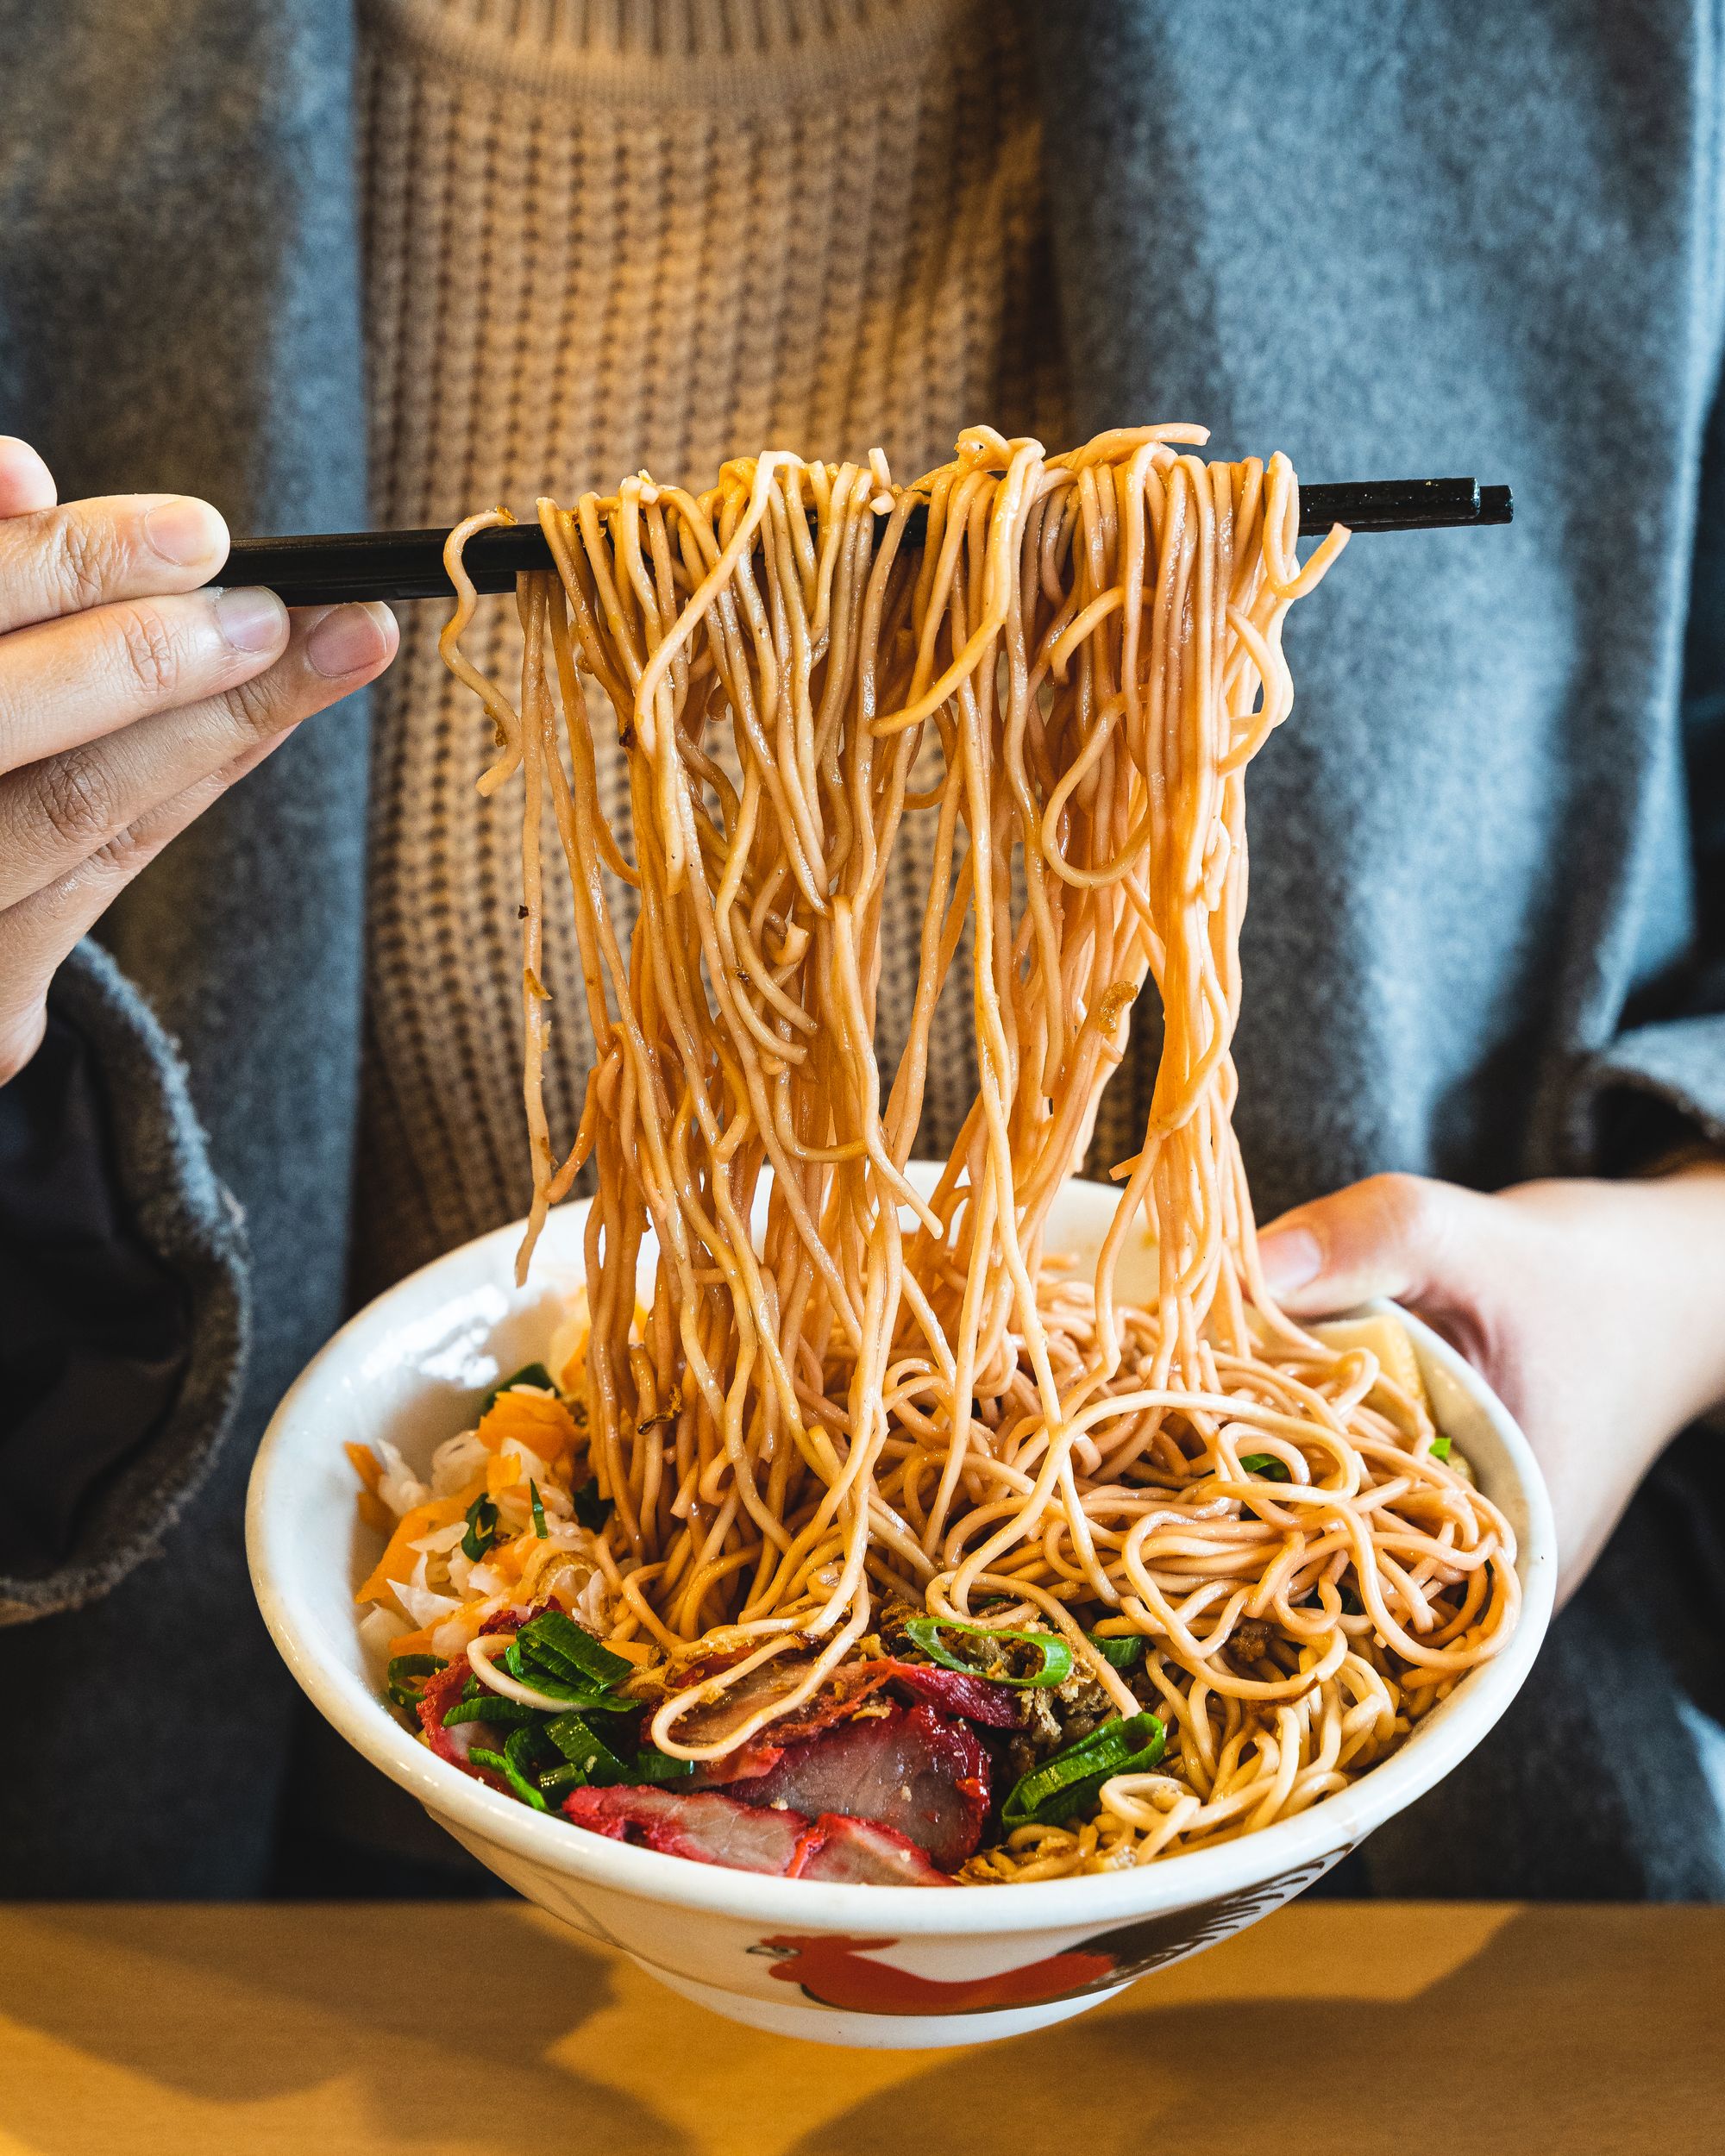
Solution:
(836, 1970)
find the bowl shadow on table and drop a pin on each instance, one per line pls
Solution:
(1472, 2027)
(1520, 2044)
(450, 2032)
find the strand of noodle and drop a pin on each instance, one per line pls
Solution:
(840, 1384)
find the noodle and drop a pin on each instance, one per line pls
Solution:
(843, 1389)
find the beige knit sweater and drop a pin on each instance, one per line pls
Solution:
(611, 234)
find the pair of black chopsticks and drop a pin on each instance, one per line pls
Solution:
(319, 569)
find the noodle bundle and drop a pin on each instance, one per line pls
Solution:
(849, 1392)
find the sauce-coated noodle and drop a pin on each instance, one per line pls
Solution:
(890, 1394)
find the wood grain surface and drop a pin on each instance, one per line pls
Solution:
(487, 2030)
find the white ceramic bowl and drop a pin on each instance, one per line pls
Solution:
(894, 1967)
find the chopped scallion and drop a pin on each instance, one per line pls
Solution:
(552, 1679)
(557, 1782)
(402, 1670)
(1122, 1650)
(1054, 1664)
(525, 1748)
(582, 1748)
(1440, 1448)
(660, 1766)
(1266, 1466)
(557, 1640)
(482, 1528)
(538, 1511)
(511, 1774)
(1069, 1782)
(500, 1713)
(403, 1666)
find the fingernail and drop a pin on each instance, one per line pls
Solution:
(252, 618)
(348, 638)
(185, 532)
(1290, 1257)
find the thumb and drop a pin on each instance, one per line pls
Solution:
(26, 483)
(1390, 1235)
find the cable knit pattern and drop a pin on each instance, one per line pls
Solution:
(603, 235)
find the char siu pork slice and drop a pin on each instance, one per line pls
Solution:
(972, 1699)
(861, 1852)
(709, 1828)
(714, 1829)
(908, 1768)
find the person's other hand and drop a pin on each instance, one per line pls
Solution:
(129, 701)
(1594, 1310)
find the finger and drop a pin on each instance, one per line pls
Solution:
(1391, 1235)
(37, 937)
(55, 561)
(56, 814)
(26, 483)
(68, 682)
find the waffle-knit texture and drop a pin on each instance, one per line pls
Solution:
(604, 235)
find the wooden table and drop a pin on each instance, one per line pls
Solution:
(487, 2030)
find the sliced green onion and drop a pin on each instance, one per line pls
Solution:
(403, 1667)
(1054, 1667)
(649, 1767)
(1440, 1448)
(482, 1528)
(576, 1701)
(558, 1640)
(1069, 1782)
(525, 1748)
(534, 1374)
(660, 1766)
(538, 1511)
(1120, 1650)
(500, 1713)
(552, 1679)
(590, 1509)
(583, 1749)
(557, 1782)
(1266, 1466)
(511, 1774)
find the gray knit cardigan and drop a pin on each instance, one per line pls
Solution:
(1391, 236)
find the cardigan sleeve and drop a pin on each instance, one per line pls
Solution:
(122, 1297)
(1659, 1085)
(1656, 1087)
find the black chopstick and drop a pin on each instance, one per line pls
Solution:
(319, 569)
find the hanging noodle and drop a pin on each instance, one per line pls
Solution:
(872, 1393)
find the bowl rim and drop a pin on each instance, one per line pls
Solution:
(1325, 1831)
